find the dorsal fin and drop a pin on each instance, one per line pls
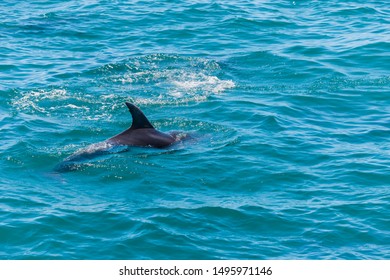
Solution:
(139, 119)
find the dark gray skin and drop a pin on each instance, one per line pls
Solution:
(140, 134)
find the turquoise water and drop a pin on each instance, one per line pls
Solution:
(288, 105)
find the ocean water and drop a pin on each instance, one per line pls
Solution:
(287, 103)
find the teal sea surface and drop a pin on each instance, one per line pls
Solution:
(288, 108)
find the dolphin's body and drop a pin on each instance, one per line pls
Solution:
(140, 134)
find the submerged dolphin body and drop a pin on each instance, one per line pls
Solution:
(140, 134)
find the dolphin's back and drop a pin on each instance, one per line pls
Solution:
(143, 137)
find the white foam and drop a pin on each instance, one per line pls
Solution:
(72, 106)
(203, 82)
(176, 85)
(32, 99)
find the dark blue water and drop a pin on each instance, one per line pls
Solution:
(288, 106)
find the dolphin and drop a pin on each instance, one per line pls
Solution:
(140, 134)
